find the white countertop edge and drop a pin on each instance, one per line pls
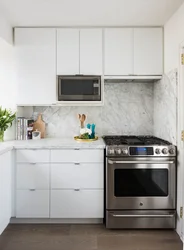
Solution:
(51, 143)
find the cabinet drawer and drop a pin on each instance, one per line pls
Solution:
(80, 176)
(82, 155)
(32, 204)
(77, 204)
(33, 156)
(32, 176)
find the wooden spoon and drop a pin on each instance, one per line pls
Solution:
(82, 119)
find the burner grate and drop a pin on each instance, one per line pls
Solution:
(134, 140)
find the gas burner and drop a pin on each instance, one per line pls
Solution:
(134, 140)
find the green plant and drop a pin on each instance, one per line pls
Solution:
(6, 119)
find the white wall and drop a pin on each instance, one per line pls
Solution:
(6, 31)
(8, 90)
(173, 36)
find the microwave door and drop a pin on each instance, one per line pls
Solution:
(77, 89)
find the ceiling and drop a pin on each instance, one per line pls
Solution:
(88, 12)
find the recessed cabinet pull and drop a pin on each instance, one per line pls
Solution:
(32, 163)
(77, 163)
(76, 148)
(77, 189)
(32, 189)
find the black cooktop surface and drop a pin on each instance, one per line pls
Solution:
(134, 140)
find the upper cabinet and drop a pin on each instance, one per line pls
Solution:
(79, 51)
(91, 51)
(67, 51)
(118, 51)
(148, 51)
(133, 51)
(36, 65)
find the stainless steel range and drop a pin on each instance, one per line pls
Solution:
(140, 182)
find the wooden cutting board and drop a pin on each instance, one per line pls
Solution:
(39, 125)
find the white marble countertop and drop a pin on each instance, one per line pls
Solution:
(51, 143)
(6, 146)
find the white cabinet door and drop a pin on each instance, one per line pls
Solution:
(33, 156)
(32, 176)
(77, 156)
(5, 190)
(77, 176)
(118, 51)
(32, 204)
(77, 204)
(148, 51)
(91, 51)
(67, 51)
(36, 65)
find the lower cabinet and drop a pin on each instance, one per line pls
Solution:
(65, 185)
(5, 190)
(77, 203)
(32, 204)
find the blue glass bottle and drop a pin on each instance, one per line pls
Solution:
(93, 130)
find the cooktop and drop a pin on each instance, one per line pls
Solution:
(134, 140)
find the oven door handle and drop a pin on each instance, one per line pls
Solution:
(140, 162)
(143, 215)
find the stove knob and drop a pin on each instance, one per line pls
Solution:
(111, 151)
(118, 151)
(172, 151)
(157, 151)
(125, 151)
(165, 151)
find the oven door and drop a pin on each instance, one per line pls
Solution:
(141, 183)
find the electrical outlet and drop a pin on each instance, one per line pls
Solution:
(181, 212)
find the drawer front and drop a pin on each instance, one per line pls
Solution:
(82, 155)
(77, 176)
(77, 204)
(33, 156)
(32, 176)
(32, 204)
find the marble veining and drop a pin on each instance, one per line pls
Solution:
(128, 109)
(165, 107)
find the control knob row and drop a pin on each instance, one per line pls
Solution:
(118, 151)
(164, 151)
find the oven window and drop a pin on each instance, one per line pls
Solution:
(140, 182)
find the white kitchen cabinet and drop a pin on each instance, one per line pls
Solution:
(118, 49)
(67, 51)
(36, 65)
(77, 176)
(133, 51)
(77, 156)
(91, 51)
(5, 190)
(32, 176)
(32, 204)
(77, 204)
(148, 51)
(33, 156)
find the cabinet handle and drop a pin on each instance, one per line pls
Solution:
(32, 189)
(77, 163)
(76, 148)
(77, 189)
(33, 163)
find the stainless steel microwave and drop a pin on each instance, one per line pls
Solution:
(79, 88)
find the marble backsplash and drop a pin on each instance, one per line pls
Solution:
(165, 107)
(128, 109)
